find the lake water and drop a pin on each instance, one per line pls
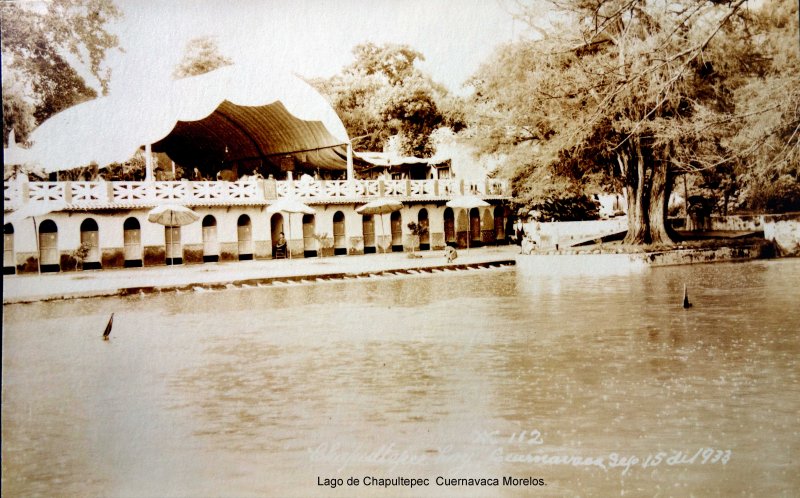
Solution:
(571, 379)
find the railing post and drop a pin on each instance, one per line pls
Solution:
(350, 172)
(381, 188)
(110, 191)
(436, 186)
(408, 188)
(68, 192)
(461, 186)
(269, 189)
(24, 192)
(148, 161)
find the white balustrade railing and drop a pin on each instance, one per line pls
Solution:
(421, 187)
(10, 193)
(307, 189)
(373, 188)
(394, 188)
(88, 191)
(220, 192)
(449, 187)
(46, 191)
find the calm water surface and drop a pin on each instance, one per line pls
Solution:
(258, 392)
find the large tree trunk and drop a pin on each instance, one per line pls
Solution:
(648, 196)
(637, 195)
(660, 184)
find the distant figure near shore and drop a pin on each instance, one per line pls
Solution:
(450, 253)
(519, 234)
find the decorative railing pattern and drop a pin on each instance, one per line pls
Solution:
(46, 191)
(9, 193)
(88, 191)
(251, 191)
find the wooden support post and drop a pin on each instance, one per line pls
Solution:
(350, 171)
(148, 161)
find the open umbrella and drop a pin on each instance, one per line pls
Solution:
(32, 209)
(381, 207)
(467, 202)
(289, 205)
(172, 215)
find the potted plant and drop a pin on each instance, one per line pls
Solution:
(324, 243)
(80, 254)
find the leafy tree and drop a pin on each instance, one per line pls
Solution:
(200, 55)
(627, 91)
(382, 93)
(17, 112)
(767, 143)
(38, 46)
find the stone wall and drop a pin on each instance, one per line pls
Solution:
(753, 223)
(784, 231)
(573, 261)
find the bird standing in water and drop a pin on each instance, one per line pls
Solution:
(107, 332)
(686, 303)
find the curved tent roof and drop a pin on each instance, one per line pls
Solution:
(251, 112)
(234, 133)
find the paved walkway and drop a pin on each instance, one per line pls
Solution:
(28, 288)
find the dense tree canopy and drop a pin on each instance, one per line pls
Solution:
(628, 92)
(767, 144)
(201, 55)
(382, 93)
(41, 47)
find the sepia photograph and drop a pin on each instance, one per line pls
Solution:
(401, 248)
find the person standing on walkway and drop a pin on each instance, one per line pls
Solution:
(519, 233)
(450, 253)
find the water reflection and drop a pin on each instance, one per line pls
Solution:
(258, 391)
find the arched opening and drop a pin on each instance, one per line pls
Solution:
(368, 229)
(49, 259)
(500, 225)
(210, 241)
(279, 244)
(309, 240)
(397, 231)
(475, 228)
(462, 227)
(425, 238)
(449, 227)
(172, 239)
(244, 229)
(9, 264)
(339, 234)
(487, 234)
(90, 240)
(132, 240)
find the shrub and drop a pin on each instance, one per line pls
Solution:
(565, 208)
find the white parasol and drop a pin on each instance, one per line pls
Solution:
(171, 215)
(467, 202)
(380, 207)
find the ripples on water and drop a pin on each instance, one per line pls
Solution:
(259, 391)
